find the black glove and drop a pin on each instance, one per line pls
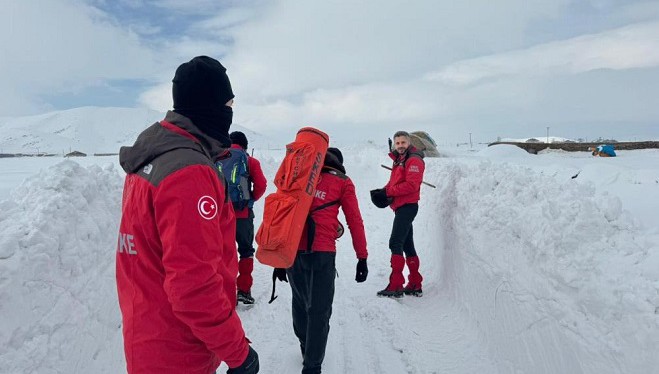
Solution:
(280, 274)
(379, 198)
(249, 366)
(362, 270)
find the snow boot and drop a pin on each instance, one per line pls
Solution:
(245, 280)
(414, 279)
(396, 279)
(245, 298)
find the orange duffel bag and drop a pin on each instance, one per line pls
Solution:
(286, 210)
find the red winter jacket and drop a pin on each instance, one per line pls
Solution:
(176, 262)
(334, 186)
(256, 176)
(406, 177)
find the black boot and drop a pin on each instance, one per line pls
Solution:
(391, 293)
(413, 291)
(245, 298)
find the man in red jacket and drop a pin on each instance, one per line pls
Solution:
(313, 272)
(176, 259)
(402, 192)
(245, 220)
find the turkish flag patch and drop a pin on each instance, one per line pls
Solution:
(207, 207)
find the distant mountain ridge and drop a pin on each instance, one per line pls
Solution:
(86, 129)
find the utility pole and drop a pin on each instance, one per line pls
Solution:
(547, 134)
(470, 144)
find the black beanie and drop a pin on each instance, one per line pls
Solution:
(334, 159)
(336, 152)
(237, 137)
(200, 90)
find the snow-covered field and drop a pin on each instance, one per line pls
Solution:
(527, 269)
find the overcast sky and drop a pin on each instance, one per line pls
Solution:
(509, 68)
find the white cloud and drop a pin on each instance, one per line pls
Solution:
(359, 68)
(63, 46)
(642, 11)
(634, 46)
(158, 97)
(344, 62)
(341, 107)
(295, 47)
(218, 23)
(454, 67)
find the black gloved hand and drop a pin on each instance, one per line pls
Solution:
(379, 198)
(280, 274)
(249, 366)
(362, 270)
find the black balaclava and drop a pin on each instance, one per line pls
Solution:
(200, 91)
(238, 137)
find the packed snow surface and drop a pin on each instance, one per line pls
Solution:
(542, 263)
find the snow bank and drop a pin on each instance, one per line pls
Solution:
(503, 151)
(557, 276)
(57, 244)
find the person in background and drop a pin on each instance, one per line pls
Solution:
(176, 260)
(313, 272)
(257, 184)
(402, 194)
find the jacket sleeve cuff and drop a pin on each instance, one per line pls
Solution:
(234, 347)
(234, 362)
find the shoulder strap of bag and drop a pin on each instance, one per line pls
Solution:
(311, 224)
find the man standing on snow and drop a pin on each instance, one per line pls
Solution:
(402, 193)
(176, 259)
(255, 184)
(313, 272)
